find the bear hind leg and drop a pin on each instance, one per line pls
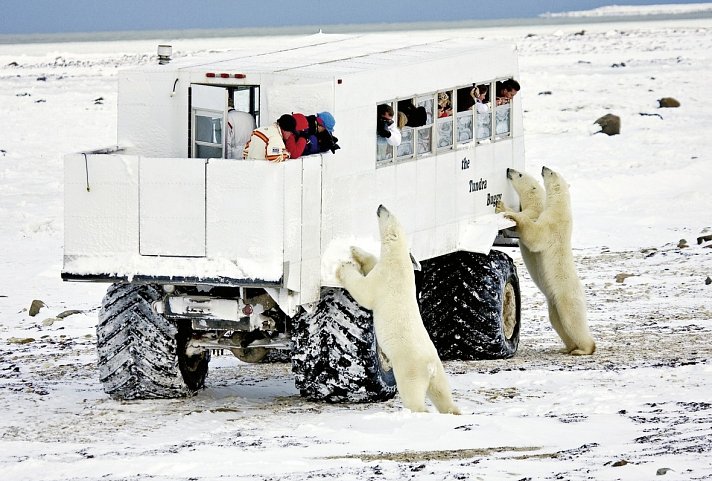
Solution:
(412, 386)
(555, 321)
(440, 395)
(573, 324)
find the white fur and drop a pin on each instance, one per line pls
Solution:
(532, 198)
(387, 287)
(548, 238)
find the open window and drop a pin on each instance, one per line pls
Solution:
(415, 119)
(483, 111)
(445, 131)
(246, 98)
(425, 133)
(465, 119)
(384, 151)
(505, 90)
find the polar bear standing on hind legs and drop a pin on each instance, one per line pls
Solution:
(548, 238)
(387, 287)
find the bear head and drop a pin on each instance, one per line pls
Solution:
(555, 185)
(532, 196)
(390, 229)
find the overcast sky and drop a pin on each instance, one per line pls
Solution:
(51, 16)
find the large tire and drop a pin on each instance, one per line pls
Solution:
(141, 353)
(470, 305)
(335, 355)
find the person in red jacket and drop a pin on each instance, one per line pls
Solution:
(296, 141)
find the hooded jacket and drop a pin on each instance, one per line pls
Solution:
(297, 142)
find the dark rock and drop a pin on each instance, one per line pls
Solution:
(682, 244)
(610, 124)
(708, 281)
(20, 340)
(668, 102)
(42, 78)
(620, 278)
(645, 114)
(67, 313)
(545, 92)
(12, 64)
(36, 306)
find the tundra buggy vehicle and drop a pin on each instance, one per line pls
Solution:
(205, 252)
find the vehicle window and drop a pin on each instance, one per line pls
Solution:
(445, 131)
(503, 120)
(506, 90)
(246, 98)
(384, 150)
(465, 120)
(208, 134)
(425, 132)
(447, 118)
(483, 111)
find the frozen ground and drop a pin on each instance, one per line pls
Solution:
(639, 409)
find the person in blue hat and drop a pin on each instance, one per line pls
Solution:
(320, 135)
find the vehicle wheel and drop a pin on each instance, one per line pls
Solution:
(250, 354)
(470, 305)
(335, 355)
(141, 353)
(275, 356)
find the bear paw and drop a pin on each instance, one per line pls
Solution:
(344, 267)
(511, 216)
(365, 260)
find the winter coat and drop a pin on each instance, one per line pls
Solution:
(266, 143)
(318, 142)
(239, 129)
(297, 142)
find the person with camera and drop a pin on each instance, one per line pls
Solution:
(386, 127)
(388, 137)
(320, 135)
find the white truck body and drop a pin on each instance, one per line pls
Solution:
(151, 209)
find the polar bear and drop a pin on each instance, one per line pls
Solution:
(387, 287)
(549, 238)
(532, 198)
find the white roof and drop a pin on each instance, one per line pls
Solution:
(330, 55)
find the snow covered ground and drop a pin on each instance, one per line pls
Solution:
(629, 10)
(639, 409)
